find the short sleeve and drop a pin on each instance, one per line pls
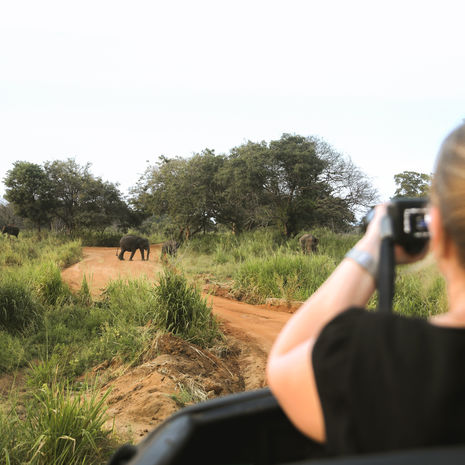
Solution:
(331, 364)
(388, 382)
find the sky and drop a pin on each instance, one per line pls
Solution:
(118, 84)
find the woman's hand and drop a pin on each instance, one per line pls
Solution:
(371, 241)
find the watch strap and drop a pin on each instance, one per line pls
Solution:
(365, 260)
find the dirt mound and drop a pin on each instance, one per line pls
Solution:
(173, 375)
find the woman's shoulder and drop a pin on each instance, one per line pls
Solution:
(359, 328)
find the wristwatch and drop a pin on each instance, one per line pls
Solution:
(365, 260)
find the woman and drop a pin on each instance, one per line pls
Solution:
(365, 381)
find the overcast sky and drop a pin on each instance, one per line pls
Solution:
(119, 83)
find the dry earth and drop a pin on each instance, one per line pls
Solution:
(142, 397)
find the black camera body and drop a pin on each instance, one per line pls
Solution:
(409, 225)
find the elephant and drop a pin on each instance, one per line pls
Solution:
(308, 243)
(131, 244)
(169, 247)
(10, 230)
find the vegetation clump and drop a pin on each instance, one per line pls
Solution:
(182, 311)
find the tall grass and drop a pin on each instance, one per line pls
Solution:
(183, 311)
(59, 336)
(420, 291)
(263, 265)
(56, 336)
(58, 426)
(288, 276)
(30, 249)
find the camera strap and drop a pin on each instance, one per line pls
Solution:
(386, 269)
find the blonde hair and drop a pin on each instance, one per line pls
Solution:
(448, 187)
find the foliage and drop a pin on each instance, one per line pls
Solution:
(292, 183)
(67, 427)
(30, 191)
(282, 275)
(419, 291)
(67, 196)
(12, 352)
(182, 311)
(8, 215)
(412, 184)
(19, 307)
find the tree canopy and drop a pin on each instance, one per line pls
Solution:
(412, 184)
(66, 193)
(293, 183)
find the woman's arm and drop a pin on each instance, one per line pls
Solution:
(289, 369)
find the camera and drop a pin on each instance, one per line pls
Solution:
(408, 223)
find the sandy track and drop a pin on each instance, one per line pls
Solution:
(100, 265)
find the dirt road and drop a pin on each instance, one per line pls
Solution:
(142, 397)
(100, 265)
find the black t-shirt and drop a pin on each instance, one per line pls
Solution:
(388, 382)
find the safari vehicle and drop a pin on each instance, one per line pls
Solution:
(251, 428)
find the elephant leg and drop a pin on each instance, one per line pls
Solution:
(121, 254)
(142, 254)
(132, 254)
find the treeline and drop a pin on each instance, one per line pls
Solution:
(293, 183)
(65, 196)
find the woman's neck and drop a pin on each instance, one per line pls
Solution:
(455, 316)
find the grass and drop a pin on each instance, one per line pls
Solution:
(55, 336)
(182, 311)
(57, 426)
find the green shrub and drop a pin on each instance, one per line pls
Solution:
(99, 238)
(292, 277)
(49, 286)
(12, 352)
(182, 310)
(419, 291)
(125, 342)
(12, 447)
(67, 427)
(45, 372)
(130, 301)
(19, 308)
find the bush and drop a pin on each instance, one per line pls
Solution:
(129, 301)
(49, 286)
(19, 308)
(292, 277)
(182, 310)
(420, 291)
(67, 427)
(12, 352)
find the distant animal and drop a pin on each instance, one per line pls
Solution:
(169, 248)
(131, 244)
(308, 243)
(10, 230)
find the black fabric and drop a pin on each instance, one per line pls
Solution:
(388, 382)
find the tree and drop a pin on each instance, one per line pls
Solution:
(412, 184)
(184, 189)
(241, 200)
(30, 192)
(345, 180)
(81, 200)
(293, 183)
